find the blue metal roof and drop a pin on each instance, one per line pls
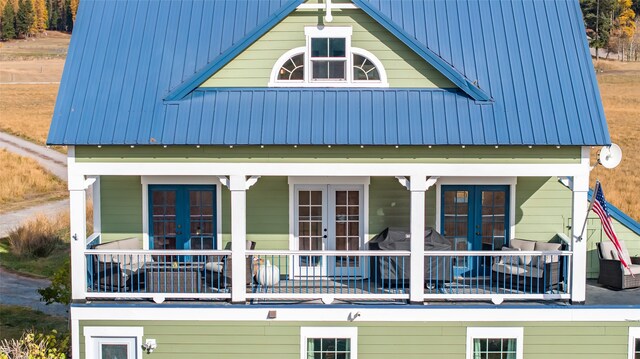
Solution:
(530, 57)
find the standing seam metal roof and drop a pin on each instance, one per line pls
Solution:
(530, 56)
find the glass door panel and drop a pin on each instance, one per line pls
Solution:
(456, 224)
(164, 221)
(347, 225)
(201, 219)
(493, 229)
(311, 225)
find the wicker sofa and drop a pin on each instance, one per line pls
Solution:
(119, 272)
(612, 274)
(537, 274)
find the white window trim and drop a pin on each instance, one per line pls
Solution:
(634, 333)
(92, 334)
(479, 181)
(329, 332)
(179, 180)
(496, 332)
(329, 32)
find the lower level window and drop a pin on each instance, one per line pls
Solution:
(328, 343)
(113, 342)
(115, 348)
(634, 342)
(494, 343)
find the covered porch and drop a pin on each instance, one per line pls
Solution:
(239, 251)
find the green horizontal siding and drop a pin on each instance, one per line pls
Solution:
(335, 154)
(120, 207)
(281, 340)
(543, 206)
(252, 68)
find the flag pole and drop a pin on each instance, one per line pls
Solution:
(586, 218)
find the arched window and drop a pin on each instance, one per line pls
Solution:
(328, 60)
(292, 69)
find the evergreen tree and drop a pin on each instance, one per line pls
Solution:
(68, 16)
(24, 18)
(597, 19)
(8, 22)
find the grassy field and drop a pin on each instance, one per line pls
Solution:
(36, 267)
(620, 90)
(52, 45)
(27, 110)
(14, 320)
(25, 183)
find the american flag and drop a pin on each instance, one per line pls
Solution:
(599, 205)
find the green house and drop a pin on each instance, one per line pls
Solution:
(337, 179)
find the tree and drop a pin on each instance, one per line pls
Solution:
(8, 22)
(41, 15)
(597, 19)
(24, 18)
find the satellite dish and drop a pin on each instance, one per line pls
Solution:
(610, 156)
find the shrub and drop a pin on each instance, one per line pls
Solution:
(60, 289)
(34, 345)
(37, 237)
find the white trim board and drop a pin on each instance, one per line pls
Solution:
(326, 169)
(328, 314)
(179, 180)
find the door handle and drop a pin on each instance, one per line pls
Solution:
(325, 236)
(477, 233)
(178, 232)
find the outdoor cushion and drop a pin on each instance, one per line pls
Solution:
(126, 243)
(510, 260)
(609, 251)
(528, 271)
(523, 245)
(635, 269)
(546, 246)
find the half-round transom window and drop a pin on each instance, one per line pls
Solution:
(292, 69)
(364, 69)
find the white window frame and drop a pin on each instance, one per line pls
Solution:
(95, 336)
(329, 332)
(179, 180)
(328, 32)
(634, 333)
(516, 333)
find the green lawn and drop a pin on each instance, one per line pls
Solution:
(14, 320)
(39, 267)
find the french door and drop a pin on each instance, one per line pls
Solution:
(328, 217)
(475, 218)
(182, 217)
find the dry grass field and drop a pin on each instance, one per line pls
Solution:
(620, 90)
(24, 183)
(52, 45)
(26, 110)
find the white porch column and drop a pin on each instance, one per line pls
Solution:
(418, 187)
(95, 198)
(580, 188)
(238, 188)
(78, 228)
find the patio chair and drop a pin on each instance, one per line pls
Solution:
(612, 273)
(118, 272)
(218, 274)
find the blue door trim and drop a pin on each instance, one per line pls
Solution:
(183, 212)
